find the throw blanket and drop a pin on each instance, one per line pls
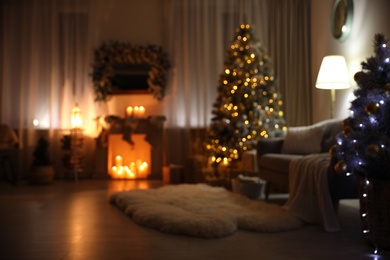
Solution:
(309, 197)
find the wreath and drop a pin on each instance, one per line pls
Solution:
(115, 52)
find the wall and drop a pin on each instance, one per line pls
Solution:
(369, 19)
(140, 23)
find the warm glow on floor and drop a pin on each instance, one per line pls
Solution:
(125, 185)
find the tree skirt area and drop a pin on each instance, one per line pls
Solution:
(200, 210)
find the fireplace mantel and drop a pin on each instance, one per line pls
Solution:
(152, 126)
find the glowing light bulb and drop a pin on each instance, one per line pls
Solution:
(36, 122)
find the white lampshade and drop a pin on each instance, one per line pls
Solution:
(333, 73)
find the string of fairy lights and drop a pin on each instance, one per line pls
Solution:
(363, 148)
(248, 106)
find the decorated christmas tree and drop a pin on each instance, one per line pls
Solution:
(364, 146)
(248, 105)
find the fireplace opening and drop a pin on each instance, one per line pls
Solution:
(137, 141)
(126, 160)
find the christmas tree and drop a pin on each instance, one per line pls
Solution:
(364, 146)
(248, 106)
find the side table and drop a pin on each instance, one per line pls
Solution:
(73, 158)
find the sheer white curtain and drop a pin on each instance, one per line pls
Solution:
(288, 42)
(198, 34)
(47, 48)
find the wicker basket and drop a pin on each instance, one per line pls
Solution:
(377, 207)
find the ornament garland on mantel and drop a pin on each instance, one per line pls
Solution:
(115, 52)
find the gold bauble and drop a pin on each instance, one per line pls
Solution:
(387, 89)
(348, 129)
(373, 150)
(341, 167)
(358, 76)
(372, 108)
(346, 122)
(333, 150)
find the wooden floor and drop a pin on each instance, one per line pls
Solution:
(73, 220)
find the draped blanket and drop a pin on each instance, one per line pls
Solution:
(310, 198)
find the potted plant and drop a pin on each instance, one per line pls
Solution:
(42, 171)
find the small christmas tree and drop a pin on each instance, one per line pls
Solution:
(41, 153)
(248, 106)
(364, 146)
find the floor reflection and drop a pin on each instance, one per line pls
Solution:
(125, 185)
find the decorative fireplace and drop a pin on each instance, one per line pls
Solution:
(130, 148)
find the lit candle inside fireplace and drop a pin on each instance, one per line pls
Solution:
(143, 168)
(118, 161)
(133, 168)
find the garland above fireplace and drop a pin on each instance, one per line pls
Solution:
(123, 68)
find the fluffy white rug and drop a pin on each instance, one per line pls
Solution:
(202, 211)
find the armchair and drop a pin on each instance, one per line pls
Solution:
(9, 146)
(275, 155)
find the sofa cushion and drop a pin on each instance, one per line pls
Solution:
(277, 162)
(303, 140)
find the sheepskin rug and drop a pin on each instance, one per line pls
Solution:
(200, 210)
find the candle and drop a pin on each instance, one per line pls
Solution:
(141, 112)
(136, 111)
(118, 161)
(129, 111)
(133, 169)
(114, 169)
(145, 168)
(142, 168)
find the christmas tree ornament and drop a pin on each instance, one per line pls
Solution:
(333, 150)
(346, 122)
(373, 150)
(341, 167)
(358, 76)
(372, 108)
(347, 130)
